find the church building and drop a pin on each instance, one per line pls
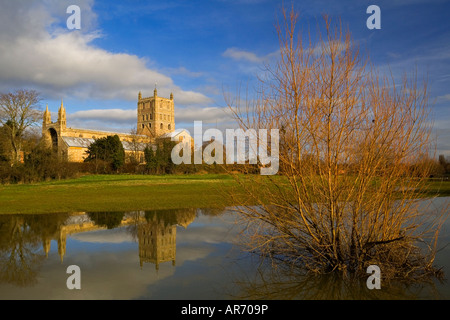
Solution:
(155, 119)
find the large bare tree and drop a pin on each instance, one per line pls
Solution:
(18, 111)
(351, 145)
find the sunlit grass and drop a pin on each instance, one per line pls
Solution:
(117, 192)
(94, 193)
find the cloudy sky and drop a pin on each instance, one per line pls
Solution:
(198, 50)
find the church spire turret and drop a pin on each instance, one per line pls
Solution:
(47, 116)
(46, 246)
(62, 115)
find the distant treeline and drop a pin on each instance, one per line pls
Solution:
(106, 156)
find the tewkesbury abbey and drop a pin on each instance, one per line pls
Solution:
(156, 233)
(155, 120)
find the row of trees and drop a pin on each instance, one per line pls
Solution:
(108, 155)
(443, 166)
(39, 162)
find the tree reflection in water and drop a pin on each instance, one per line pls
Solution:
(277, 281)
(21, 237)
(110, 220)
(25, 239)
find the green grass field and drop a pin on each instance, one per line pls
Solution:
(439, 188)
(96, 193)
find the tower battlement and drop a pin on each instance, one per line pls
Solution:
(155, 115)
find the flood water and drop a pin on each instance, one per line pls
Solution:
(169, 254)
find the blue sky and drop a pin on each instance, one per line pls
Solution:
(197, 49)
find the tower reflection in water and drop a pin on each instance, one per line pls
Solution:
(157, 236)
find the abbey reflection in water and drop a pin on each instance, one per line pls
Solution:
(23, 238)
(155, 231)
(157, 235)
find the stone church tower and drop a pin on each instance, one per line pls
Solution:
(156, 115)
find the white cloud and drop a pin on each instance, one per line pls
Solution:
(238, 54)
(443, 98)
(115, 115)
(35, 51)
(185, 72)
(207, 115)
(125, 119)
(117, 120)
(329, 46)
(117, 235)
(248, 56)
(243, 55)
(182, 97)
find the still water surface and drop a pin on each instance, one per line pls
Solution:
(171, 254)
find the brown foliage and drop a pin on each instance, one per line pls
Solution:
(347, 196)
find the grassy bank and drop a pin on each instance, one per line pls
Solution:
(439, 188)
(96, 193)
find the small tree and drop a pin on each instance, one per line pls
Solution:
(108, 149)
(5, 145)
(334, 114)
(136, 149)
(160, 161)
(150, 159)
(163, 156)
(42, 163)
(18, 111)
(444, 163)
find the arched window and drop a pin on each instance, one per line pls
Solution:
(168, 127)
(150, 125)
(161, 126)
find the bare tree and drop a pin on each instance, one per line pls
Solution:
(137, 147)
(18, 111)
(351, 142)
